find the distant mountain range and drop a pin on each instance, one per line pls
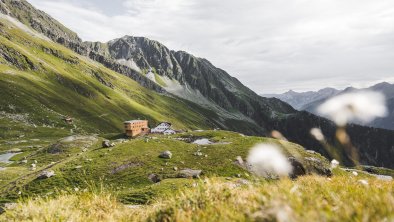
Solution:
(309, 101)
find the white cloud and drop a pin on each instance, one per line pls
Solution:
(270, 46)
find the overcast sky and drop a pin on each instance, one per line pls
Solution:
(269, 45)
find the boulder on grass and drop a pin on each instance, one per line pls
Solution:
(298, 168)
(108, 144)
(154, 178)
(189, 173)
(166, 155)
(46, 174)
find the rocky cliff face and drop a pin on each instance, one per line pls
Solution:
(198, 75)
(145, 53)
(204, 85)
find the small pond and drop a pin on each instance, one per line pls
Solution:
(203, 141)
(5, 158)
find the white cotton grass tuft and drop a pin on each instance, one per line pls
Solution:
(267, 160)
(362, 106)
(363, 182)
(317, 134)
(334, 163)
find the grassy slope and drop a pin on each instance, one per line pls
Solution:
(49, 85)
(221, 197)
(75, 168)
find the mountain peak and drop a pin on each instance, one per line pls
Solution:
(381, 85)
(291, 92)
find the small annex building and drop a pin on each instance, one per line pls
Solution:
(163, 128)
(136, 127)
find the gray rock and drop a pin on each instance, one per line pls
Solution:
(311, 151)
(154, 178)
(317, 166)
(107, 144)
(46, 174)
(189, 173)
(298, 168)
(125, 166)
(15, 150)
(239, 161)
(166, 155)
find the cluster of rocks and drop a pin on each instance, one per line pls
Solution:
(199, 153)
(184, 173)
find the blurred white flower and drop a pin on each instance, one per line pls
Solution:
(317, 134)
(355, 173)
(334, 163)
(363, 182)
(267, 160)
(363, 106)
(294, 189)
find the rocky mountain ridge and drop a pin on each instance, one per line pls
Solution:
(309, 101)
(300, 99)
(43, 23)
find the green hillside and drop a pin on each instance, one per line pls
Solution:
(80, 160)
(45, 81)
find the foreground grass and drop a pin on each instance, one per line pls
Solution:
(126, 166)
(310, 198)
